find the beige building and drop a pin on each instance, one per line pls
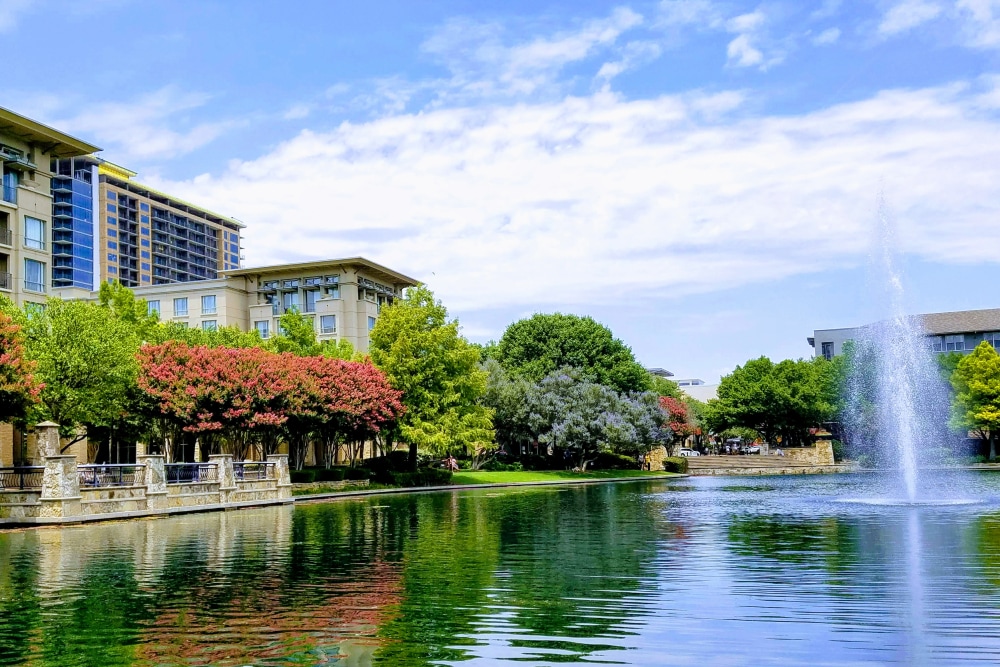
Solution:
(27, 151)
(342, 297)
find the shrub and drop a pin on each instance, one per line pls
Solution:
(838, 450)
(334, 474)
(497, 466)
(357, 473)
(978, 458)
(675, 464)
(538, 462)
(307, 476)
(611, 461)
(393, 461)
(420, 477)
(866, 461)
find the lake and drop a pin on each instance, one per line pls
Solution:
(699, 571)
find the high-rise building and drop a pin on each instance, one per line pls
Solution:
(27, 150)
(124, 230)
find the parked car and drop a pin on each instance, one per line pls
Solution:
(689, 452)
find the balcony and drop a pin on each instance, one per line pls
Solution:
(6, 281)
(6, 237)
(10, 194)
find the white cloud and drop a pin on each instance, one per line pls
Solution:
(744, 49)
(690, 12)
(828, 36)
(141, 129)
(632, 55)
(742, 53)
(11, 12)
(592, 200)
(908, 14)
(482, 65)
(982, 22)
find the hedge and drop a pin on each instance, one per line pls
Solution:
(675, 464)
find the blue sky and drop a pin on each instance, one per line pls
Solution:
(701, 176)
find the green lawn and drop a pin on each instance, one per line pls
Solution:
(481, 477)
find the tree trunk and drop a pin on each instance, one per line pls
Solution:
(993, 446)
(413, 456)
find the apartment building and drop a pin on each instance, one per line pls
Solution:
(959, 331)
(27, 227)
(342, 297)
(116, 228)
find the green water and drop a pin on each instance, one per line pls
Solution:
(701, 571)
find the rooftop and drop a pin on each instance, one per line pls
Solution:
(385, 273)
(55, 143)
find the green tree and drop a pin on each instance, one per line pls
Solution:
(534, 347)
(424, 356)
(296, 334)
(124, 306)
(976, 381)
(665, 387)
(783, 399)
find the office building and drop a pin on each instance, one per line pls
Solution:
(27, 151)
(959, 331)
(115, 228)
(342, 297)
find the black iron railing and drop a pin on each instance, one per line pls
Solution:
(190, 473)
(22, 477)
(102, 475)
(250, 470)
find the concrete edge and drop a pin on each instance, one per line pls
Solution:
(137, 514)
(464, 487)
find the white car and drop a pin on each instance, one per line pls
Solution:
(689, 452)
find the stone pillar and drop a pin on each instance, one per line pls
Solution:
(284, 478)
(46, 441)
(227, 479)
(60, 487)
(140, 450)
(824, 453)
(197, 451)
(155, 480)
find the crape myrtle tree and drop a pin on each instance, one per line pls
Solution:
(236, 400)
(677, 419)
(976, 405)
(425, 357)
(534, 347)
(784, 399)
(19, 388)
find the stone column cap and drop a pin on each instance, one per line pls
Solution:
(47, 424)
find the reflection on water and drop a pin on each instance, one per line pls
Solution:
(700, 571)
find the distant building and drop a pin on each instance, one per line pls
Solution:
(959, 331)
(111, 227)
(698, 389)
(660, 372)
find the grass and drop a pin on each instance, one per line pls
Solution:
(483, 477)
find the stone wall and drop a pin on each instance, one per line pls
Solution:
(820, 454)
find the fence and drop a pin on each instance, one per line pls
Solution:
(190, 473)
(100, 476)
(250, 470)
(24, 477)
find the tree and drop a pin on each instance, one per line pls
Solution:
(296, 335)
(422, 353)
(507, 397)
(124, 306)
(976, 381)
(783, 399)
(86, 360)
(677, 417)
(534, 347)
(19, 389)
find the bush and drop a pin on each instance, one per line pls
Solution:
(611, 461)
(398, 460)
(978, 458)
(675, 464)
(497, 466)
(334, 474)
(420, 477)
(307, 476)
(357, 473)
(538, 462)
(838, 450)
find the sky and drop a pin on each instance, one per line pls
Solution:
(702, 176)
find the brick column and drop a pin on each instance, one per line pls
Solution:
(227, 479)
(60, 487)
(155, 479)
(284, 478)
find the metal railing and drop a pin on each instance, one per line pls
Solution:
(6, 237)
(5, 281)
(190, 473)
(103, 475)
(251, 470)
(22, 477)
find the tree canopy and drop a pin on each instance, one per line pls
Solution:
(19, 388)
(437, 370)
(534, 347)
(976, 381)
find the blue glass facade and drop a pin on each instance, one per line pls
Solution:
(73, 224)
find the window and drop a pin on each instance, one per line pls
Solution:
(144, 266)
(210, 325)
(333, 292)
(273, 300)
(269, 284)
(34, 233)
(332, 280)
(112, 257)
(112, 208)
(263, 328)
(371, 323)
(328, 324)
(34, 276)
(208, 304)
(112, 233)
(145, 255)
(290, 284)
(153, 307)
(143, 206)
(112, 195)
(828, 351)
(290, 300)
(181, 306)
(311, 296)
(954, 343)
(113, 245)
(311, 282)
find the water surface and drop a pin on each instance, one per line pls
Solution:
(704, 571)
